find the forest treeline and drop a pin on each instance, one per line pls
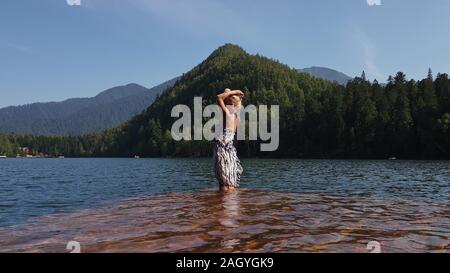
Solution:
(403, 118)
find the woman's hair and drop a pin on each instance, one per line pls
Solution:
(227, 90)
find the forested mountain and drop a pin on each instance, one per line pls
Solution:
(318, 119)
(327, 74)
(79, 116)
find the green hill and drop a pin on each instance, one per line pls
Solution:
(264, 81)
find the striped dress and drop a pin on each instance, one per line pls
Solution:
(227, 165)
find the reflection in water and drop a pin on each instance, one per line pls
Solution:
(229, 219)
(241, 221)
(230, 203)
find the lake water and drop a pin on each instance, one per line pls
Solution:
(151, 205)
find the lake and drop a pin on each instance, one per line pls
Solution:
(285, 205)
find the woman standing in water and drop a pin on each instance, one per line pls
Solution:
(227, 166)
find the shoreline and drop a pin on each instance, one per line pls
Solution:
(259, 158)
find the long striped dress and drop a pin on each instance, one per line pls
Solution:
(227, 166)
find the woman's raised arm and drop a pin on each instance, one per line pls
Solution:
(221, 98)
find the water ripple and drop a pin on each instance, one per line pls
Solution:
(243, 221)
(337, 203)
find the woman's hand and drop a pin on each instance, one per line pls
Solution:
(239, 93)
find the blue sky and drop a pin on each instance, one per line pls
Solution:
(50, 50)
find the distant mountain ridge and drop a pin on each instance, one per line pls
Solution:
(79, 116)
(327, 74)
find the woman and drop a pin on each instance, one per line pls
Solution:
(227, 166)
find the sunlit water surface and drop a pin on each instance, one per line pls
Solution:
(160, 205)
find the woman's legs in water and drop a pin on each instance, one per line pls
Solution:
(226, 188)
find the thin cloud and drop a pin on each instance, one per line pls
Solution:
(73, 2)
(374, 2)
(20, 48)
(201, 17)
(369, 53)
